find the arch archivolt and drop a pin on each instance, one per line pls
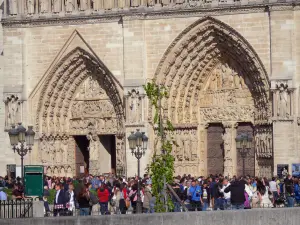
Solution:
(78, 97)
(213, 75)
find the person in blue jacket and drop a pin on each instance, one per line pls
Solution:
(194, 194)
(297, 191)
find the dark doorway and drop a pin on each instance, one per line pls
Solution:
(81, 155)
(215, 149)
(108, 153)
(246, 128)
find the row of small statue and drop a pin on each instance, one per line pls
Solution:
(56, 6)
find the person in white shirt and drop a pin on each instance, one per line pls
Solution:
(227, 196)
(274, 189)
(3, 195)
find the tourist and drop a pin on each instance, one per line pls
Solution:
(3, 195)
(297, 191)
(46, 195)
(289, 191)
(227, 196)
(123, 199)
(148, 197)
(71, 196)
(83, 199)
(194, 194)
(133, 197)
(59, 201)
(205, 196)
(274, 189)
(263, 195)
(103, 195)
(18, 192)
(218, 195)
(237, 196)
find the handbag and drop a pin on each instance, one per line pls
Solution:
(127, 203)
(113, 201)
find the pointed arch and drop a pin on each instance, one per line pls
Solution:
(60, 86)
(190, 59)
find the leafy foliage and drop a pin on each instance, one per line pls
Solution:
(162, 166)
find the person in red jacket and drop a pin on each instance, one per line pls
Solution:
(103, 195)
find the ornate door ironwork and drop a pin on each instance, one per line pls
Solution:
(215, 149)
(246, 128)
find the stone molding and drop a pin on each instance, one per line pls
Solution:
(210, 8)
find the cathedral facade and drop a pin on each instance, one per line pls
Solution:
(75, 70)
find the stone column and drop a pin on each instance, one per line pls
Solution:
(230, 153)
(202, 145)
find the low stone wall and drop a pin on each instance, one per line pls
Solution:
(290, 216)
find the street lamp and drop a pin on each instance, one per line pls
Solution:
(138, 144)
(21, 141)
(244, 144)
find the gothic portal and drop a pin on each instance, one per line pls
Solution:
(80, 98)
(215, 77)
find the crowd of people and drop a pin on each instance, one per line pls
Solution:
(95, 195)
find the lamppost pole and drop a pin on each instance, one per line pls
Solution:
(18, 137)
(138, 144)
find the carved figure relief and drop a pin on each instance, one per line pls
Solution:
(120, 149)
(151, 2)
(283, 101)
(263, 141)
(56, 4)
(227, 138)
(94, 146)
(91, 89)
(30, 6)
(44, 6)
(70, 5)
(98, 5)
(108, 4)
(230, 113)
(135, 3)
(187, 141)
(84, 5)
(12, 110)
(134, 108)
(13, 7)
(225, 77)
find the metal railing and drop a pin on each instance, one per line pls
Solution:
(22, 208)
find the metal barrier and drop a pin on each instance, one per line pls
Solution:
(20, 208)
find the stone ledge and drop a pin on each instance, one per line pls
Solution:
(290, 216)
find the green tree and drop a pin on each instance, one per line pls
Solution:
(162, 166)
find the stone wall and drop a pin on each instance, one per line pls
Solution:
(289, 216)
(132, 45)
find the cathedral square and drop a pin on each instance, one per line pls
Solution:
(75, 71)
